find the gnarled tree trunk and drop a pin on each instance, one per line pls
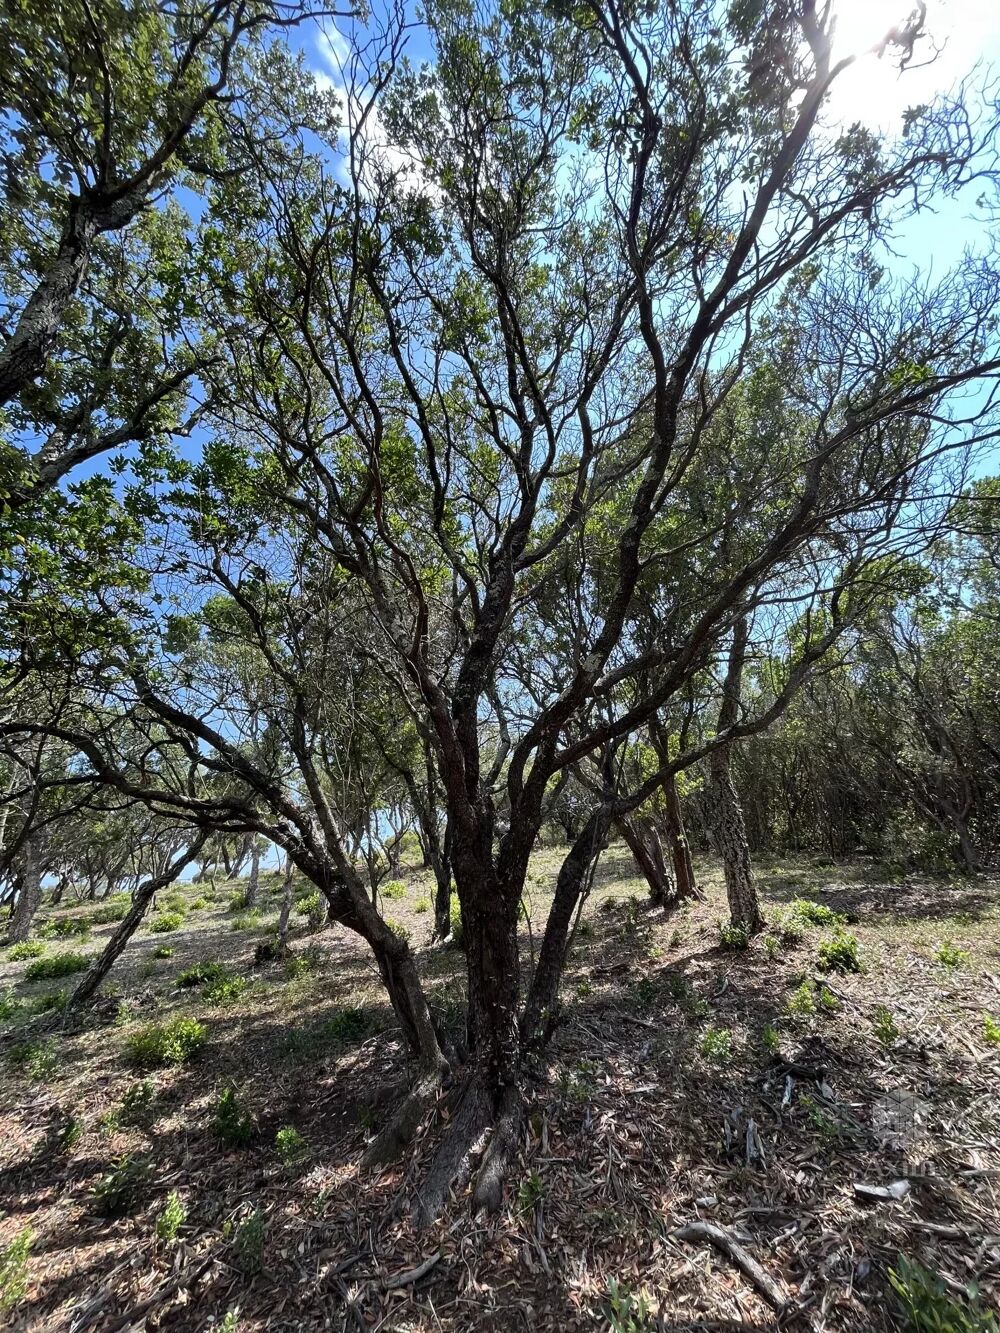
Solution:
(30, 896)
(685, 884)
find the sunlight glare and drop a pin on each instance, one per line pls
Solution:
(862, 24)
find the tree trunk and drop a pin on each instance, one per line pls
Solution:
(730, 836)
(253, 881)
(644, 844)
(686, 885)
(729, 827)
(30, 897)
(143, 896)
(286, 905)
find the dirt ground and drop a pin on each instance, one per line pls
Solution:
(686, 1082)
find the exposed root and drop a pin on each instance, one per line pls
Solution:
(500, 1155)
(388, 1145)
(451, 1165)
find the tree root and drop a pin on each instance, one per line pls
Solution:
(388, 1145)
(500, 1155)
(451, 1165)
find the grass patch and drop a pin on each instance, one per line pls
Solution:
(20, 953)
(171, 1043)
(59, 965)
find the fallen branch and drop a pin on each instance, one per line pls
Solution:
(411, 1275)
(187, 1277)
(771, 1290)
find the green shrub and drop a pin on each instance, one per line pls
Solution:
(66, 927)
(9, 1003)
(232, 1123)
(628, 1313)
(19, 953)
(112, 910)
(422, 905)
(163, 951)
(53, 1000)
(398, 929)
(393, 889)
(455, 924)
(170, 1043)
(312, 907)
(950, 955)
(59, 965)
(814, 914)
(348, 1025)
(991, 1030)
(198, 904)
(238, 902)
(787, 927)
(646, 991)
(716, 1044)
(248, 1242)
(531, 1193)
(268, 951)
(734, 936)
(124, 1187)
(35, 1059)
(839, 953)
(136, 1110)
(770, 1039)
(225, 989)
(14, 1270)
(884, 1025)
(175, 902)
(64, 1134)
(802, 1001)
(772, 946)
(289, 1144)
(172, 1217)
(247, 921)
(165, 922)
(928, 1306)
(199, 973)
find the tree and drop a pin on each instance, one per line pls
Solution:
(519, 398)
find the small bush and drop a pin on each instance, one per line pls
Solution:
(199, 904)
(248, 1242)
(772, 946)
(928, 1306)
(802, 1001)
(787, 927)
(770, 1039)
(163, 951)
(54, 1000)
(136, 1110)
(422, 905)
(172, 1217)
(814, 914)
(232, 1123)
(238, 902)
(628, 1313)
(646, 991)
(66, 927)
(26, 949)
(839, 953)
(225, 989)
(734, 936)
(347, 1025)
(9, 1003)
(59, 965)
(176, 902)
(884, 1025)
(35, 1059)
(199, 973)
(64, 1134)
(268, 951)
(531, 1193)
(312, 907)
(290, 1146)
(456, 929)
(124, 1187)
(950, 955)
(716, 1044)
(170, 1043)
(247, 921)
(165, 922)
(393, 889)
(398, 929)
(114, 909)
(991, 1030)
(14, 1270)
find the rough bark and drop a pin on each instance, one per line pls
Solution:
(253, 881)
(685, 884)
(30, 896)
(729, 827)
(643, 842)
(143, 896)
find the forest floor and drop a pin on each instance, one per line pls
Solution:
(685, 1082)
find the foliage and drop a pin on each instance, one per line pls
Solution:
(171, 1218)
(14, 1270)
(171, 1043)
(163, 951)
(290, 1146)
(232, 1123)
(716, 1044)
(268, 951)
(248, 1242)
(121, 1189)
(136, 1109)
(393, 889)
(200, 973)
(26, 949)
(225, 989)
(949, 955)
(928, 1306)
(165, 922)
(36, 1059)
(312, 907)
(114, 909)
(839, 953)
(246, 921)
(884, 1025)
(531, 1193)
(734, 936)
(57, 965)
(422, 905)
(991, 1030)
(628, 1313)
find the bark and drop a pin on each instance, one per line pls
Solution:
(729, 827)
(30, 896)
(92, 978)
(286, 905)
(441, 861)
(253, 882)
(643, 842)
(685, 884)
